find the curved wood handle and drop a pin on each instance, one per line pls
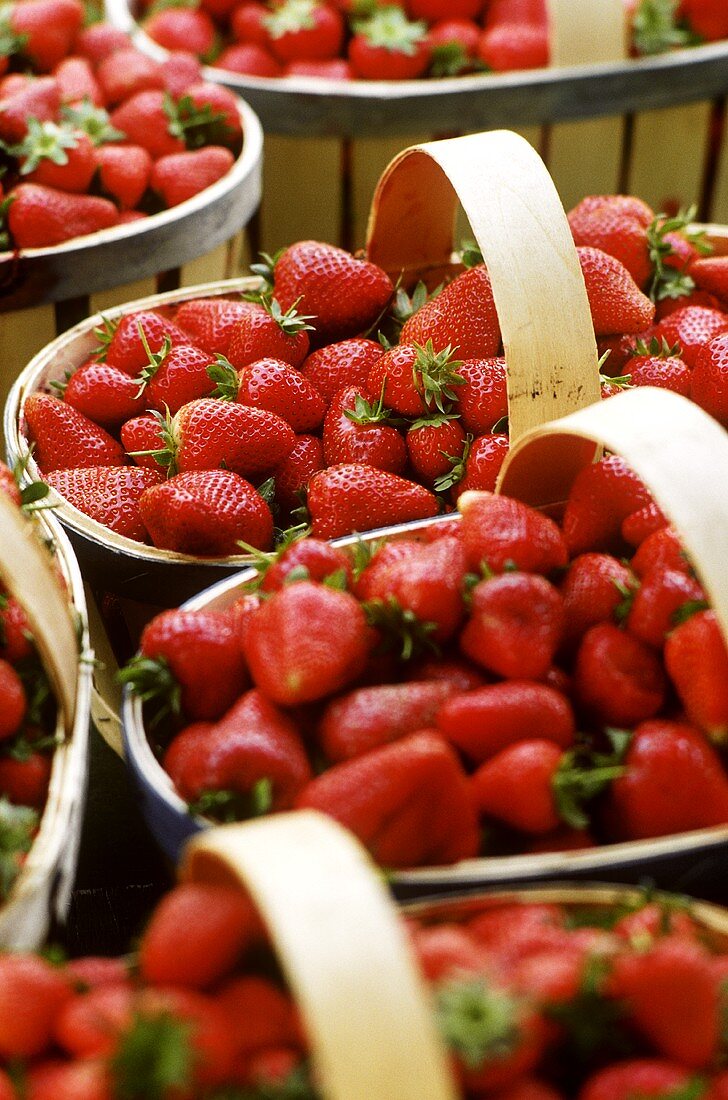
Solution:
(587, 31)
(343, 948)
(27, 574)
(679, 451)
(519, 223)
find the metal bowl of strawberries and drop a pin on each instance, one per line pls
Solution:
(115, 166)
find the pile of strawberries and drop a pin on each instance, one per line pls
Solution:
(533, 1002)
(27, 726)
(500, 685)
(204, 426)
(366, 40)
(93, 133)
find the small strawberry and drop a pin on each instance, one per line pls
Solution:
(697, 663)
(617, 677)
(122, 343)
(124, 172)
(388, 46)
(66, 439)
(42, 216)
(354, 497)
(274, 386)
(108, 494)
(483, 398)
(248, 59)
(508, 46)
(180, 70)
(346, 363)
(516, 785)
(294, 473)
(306, 559)
(709, 383)
(515, 627)
(174, 376)
(15, 633)
(479, 466)
(659, 602)
(596, 588)
(269, 332)
(305, 29)
(354, 432)
(500, 533)
(433, 444)
(691, 328)
(208, 513)
(463, 316)
(617, 304)
(601, 497)
(104, 394)
(344, 295)
(179, 176)
(414, 380)
(182, 29)
(211, 321)
(54, 155)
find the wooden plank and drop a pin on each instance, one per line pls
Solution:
(209, 268)
(22, 334)
(669, 150)
(120, 294)
(719, 206)
(301, 192)
(584, 158)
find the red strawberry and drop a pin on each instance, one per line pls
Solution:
(709, 383)
(354, 432)
(369, 717)
(508, 46)
(691, 328)
(208, 434)
(8, 485)
(711, 273)
(76, 82)
(248, 59)
(659, 602)
(346, 363)
(273, 385)
(182, 29)
(305, 29)
(206, 512)
(124, 172)
(697, 663)
(208, 98)
(15, 633)
(354, 497)
(642, 523)
(179, 176)
(433, 445)
(14, 701)
(387, 46)
(211, 321)
(454, 45)
(618, 678)
(180, 70)
(334, 68)
(593, 590)
(104, 394)
(49, 28)
(125, 72)
(99, 40)
(42, 216)
(462, 316)
(56, 156)
(515, 626)
(695, 298)
(294, 473)
(65, 438)
(602, 496)
(308, 559)
(39, 99)
(32, 993)
(144, 119)
(414, 380)
(516, 786)
(344, 295)
(291, 667)
(616, 224)
(660, 550)
(247, 22)
(479, 468)
(706, 18)
(108, 494)
(268, 332)
(177, 375)
(499, 532)
(483, 399)
(648, 1077)
(143, 434)
(122, 344)
(617, 304)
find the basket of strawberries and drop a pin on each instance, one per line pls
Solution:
(279, 967)
(45, 686)
(115, 166)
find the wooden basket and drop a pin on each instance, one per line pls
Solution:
(682, 456)
(42, 890)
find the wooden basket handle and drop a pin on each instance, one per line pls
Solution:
(344, 951)
(679, 451)
(587, 31)
(519, 223)
(27, 574)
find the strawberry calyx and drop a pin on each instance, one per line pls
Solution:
(586, 1019)
(44, 141)
(104, 333)
(687, 610)
(24, 747)
(406, 305)
(265, 270)
(400, 628)
(656, 349)
(457, 471)
(165, 456)
(470, 254)
(621, 381)
(156, 358)
(624, 606)
(10, 42)
(449, 59)
(291, 322)
(151, 679)
(388, 28)
(92, 120)
(227, 806)
(656, 28)
(18, 826)
(434, 374)
(584, 773)
(154, 1056)
(668, 281)
(225, 377)
(291, 17)
(196, 126)
(479, 1022)
(369, 412)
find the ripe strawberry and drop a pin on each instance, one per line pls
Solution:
(695, 298)
(354, 432)
(516, 11)
(122, 344)
(292, 668)
(142, 435)
(335, 68)
(175, 376)
(660, 550)
(515, 627)
(483, 722)
(60, 1080)
(125, 72)
(697, 663)
(32, 993)
(463, 316)
(642, 523)
(14, 702)
(15, 633)
(99, 40)
(691, 328)
(39, 99)
(304, 29)
(248, 59)
(414, 380)
(479, 468)
(179, 176)
(706, 18)
(617, 304)
(58, 156)
(307, 559)
(247, 22)
(182, 29)
(48, 29)
(65, 438)
(454, 45)
(709, 383)
(8, 485)
(433, 445)
(268, 332)
(274, 386)
(211, 321)
(387, 46)
(658, 603)
(369, 717)
(354, 497)
(77, 83)
(674, 782)
(264, 1017)
(294, 473)
(104, 394)
(25, 782)
(601, 497)
(649, 1077)
(516, 785)
(617, 677)
(483, 399)
(42, 216)
(124, 172)
(209, 434)
(206, 512)
(616, 224)
(89, 1024)
(499, 532)
(594, 590)
(346, 363)
(508, 46)
(433, 11)
(445, 950)
(344, 295)
(144, 119)
(180, 70)
(108, 494)
(711, 273)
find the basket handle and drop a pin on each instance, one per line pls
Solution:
(519, 223)
(343, 948)
(679, 451)
(587, 31)
(27, 574)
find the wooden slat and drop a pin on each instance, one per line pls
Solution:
(208, 268)
(22, 335)
(120, 294)
(301, 199)
(669, 149)
(584, 158)
(719, 206)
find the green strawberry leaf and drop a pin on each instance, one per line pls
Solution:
(92, 120)
(153, 1057)
(228, 806)
(477, 1022)
(655, 27)
(18, 825)
(153, 682)
(449, 59)
(585, 773)
(388, 28)
(400, 628)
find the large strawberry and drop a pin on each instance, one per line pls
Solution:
(354, 431)
(125, 72)
(47, 29)
(463, 316)
(355, 497)
(305, 29)
(209, 434)
(103, 393)
(125, 343)
(275, 386)
(294, 473)
(508, 46)
(176, 375)
(618, 679)
(617, 304)
(269, 332)
(415, 380)
(601, 498)
(344, 295)
(483, 396)
(179, 176)
(43, 216)
(691, 328)
(65, 438)
(346, 363)
(54, 155)
(616, 224)
(108, 494)
(501, 533)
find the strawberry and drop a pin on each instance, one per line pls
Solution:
(274, 386)
(711, 273)
(516, 11)
(48, 29)
(334, 68)
(124, 172)
(369, 717)
(268, 332)
(528, 1088)
(652, 1078)
(516, 785)
(15, 633)
(463, 316)
(483, 398)
(206, 512)
(108, 494)
(659, 603)
(660, 550)
(483, 722)
(32, 992)
(192, 661)
(125, 72)
(292, 668)
(706, 18)
(414, 380)
(294, 473)
(144, 119)
(8, 485)
(208, 434)
(179, 176)
(57, 1080)
(100, 40)
(499, 532)
(479, 467)
(616, 224)
(709, 383)
(122, 343)
(306, 559)
(211, 321)
(388, 46)
(26, 782)
(617, 304)
(355, 497)
(515, 626)
(435, 10)
(103, 393)
(304, 29)
(508, 46)
(454, 45)
(175, 376)
(42, 216)
(594, 590)
(601, 497)
(77, 83)
(247, 22)
(642, 523)
(433, 445)
(40, 99)
(691, 328)
(65, 438)
(180, 70)
(56, 156)
(354, 432)
(617, 677)
(444, 950)
(14, 702)
(667, 373)
(264, 1016)
(346, 363)
(182, 29)
(697, 663)
(248, 59)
